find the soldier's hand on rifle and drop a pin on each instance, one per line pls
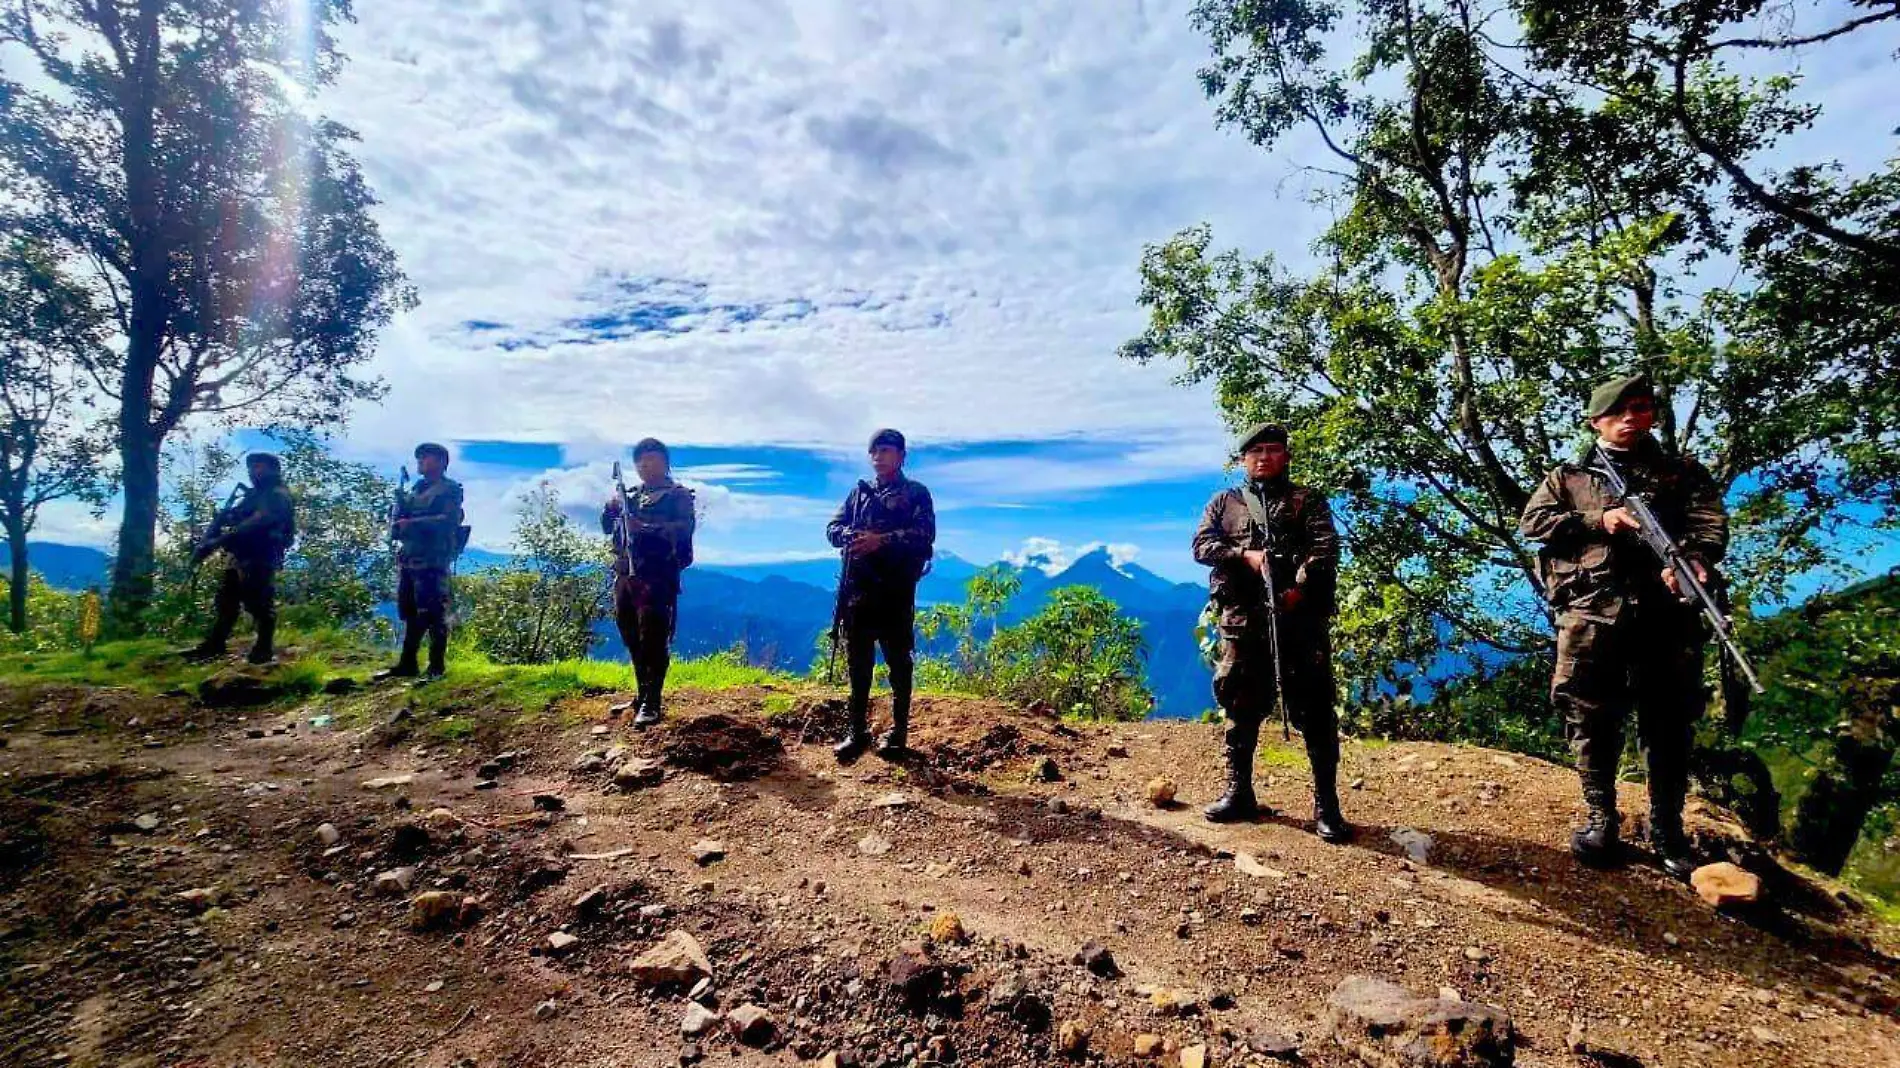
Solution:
(1619, 519)
(613, 505)
(1675, 584)
(1290, 599)
(1256, 558)
(866, 542)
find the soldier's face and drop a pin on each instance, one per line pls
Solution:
(1265, 460)
(431, 464)
(259, 470)
(651, 465)
(887, 460)
(1628, 422)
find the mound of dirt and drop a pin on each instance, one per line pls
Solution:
(723, 748)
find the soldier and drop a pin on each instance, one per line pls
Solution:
(1624, 637)
(1233, 540)
(255, 533)
(429, 532)
(647, 563)
(887, 530)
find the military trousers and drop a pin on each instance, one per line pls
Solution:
(881, 618)
(1648, 660)
(645, 608)
(249, 585)
(1244, 686)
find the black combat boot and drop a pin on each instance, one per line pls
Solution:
(1596, 844)
(1327, 821)
(897, 738)
(405, 664)
(1671, 844)
(263, 650)
(438, 651)
(651, 688)
(1238, 803)
(857, 737)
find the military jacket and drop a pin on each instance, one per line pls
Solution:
(1305, 551)
(432, 537)
(1586, 570)
(902, 511)
(662, 539)
(262, 524)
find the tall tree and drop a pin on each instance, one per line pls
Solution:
(172, 154)
(47, 326)
(1496, 248)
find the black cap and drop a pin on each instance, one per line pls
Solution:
(887, 436)
(647, 445)
(430, 447)
(269, 458)
(1269, 433)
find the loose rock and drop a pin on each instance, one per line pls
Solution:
(1161, 791)
(678, 960)
(1148, 1046)
(395, 882)
(388, 782)
(1387, 1026)
(698, 1021)
(874, 845)
(147, 823)
(639, 774)
(707, 850)
(1194, 1057)
(560, 944)
(1723, 885)
(947, 928)
(752, 1025)
(1096, 958)
(1072, 1039)
(328, 834)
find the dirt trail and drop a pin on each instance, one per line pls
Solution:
(290, 955)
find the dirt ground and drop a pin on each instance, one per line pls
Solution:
(166, 896)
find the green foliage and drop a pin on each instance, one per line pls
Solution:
(1506, 708)
(1497, 247)
(483, 685)
(151, 665)
(1079, 654)
(336, 574)
(542, 608)
(53, 619)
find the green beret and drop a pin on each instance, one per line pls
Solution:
(269, 458)
(889, 437)
(1270, 433)
(1608, 396)
(647, 445)
(428, 447)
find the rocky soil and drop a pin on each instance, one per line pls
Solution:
(196, 887)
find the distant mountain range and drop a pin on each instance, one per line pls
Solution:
(781, 610)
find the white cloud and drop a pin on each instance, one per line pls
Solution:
(961, 195)
(70, 522)
(1053, 557)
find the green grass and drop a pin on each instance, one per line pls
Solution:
(474, 681)
(778, 704)
(152, 666)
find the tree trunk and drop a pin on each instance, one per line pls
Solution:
(16, 594)
(138, 528)
(1828, 819)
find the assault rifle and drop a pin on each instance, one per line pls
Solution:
(398, 504)
(1688, 586)
(1257, 512)
(622, 523)
(220, 520)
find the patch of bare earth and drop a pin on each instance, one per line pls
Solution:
(170, 895)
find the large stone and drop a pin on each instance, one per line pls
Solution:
(1096, 958)
(395, 882)
(707, 850)
(752, 1025)
(1161, 791)
(328, 834)
(1072, 1039)
(915, 977)
(698, 1021)
(639, 774)
(388, 782)
(560, 944)
(1387, 1026)
(1194, 1057)
(947, 928)
(1724, 885)
(678, 960)
(439, 908)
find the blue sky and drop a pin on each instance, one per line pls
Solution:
(760, 229)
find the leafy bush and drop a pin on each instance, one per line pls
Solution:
(542, 608)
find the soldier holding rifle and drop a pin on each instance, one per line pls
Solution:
(1274, 557)
(652, 531)
(1629, 531)
(426, 526)
(255, 531)
(887, 531)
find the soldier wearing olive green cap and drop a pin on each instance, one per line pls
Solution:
(1625, 639)
(429, 535)
(254, 533)
(1236, 530)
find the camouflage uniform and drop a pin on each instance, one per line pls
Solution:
(646, 596)
(1305, 558)
(1623, 639)
(878, 597)
(258, 532)
(427, 547)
